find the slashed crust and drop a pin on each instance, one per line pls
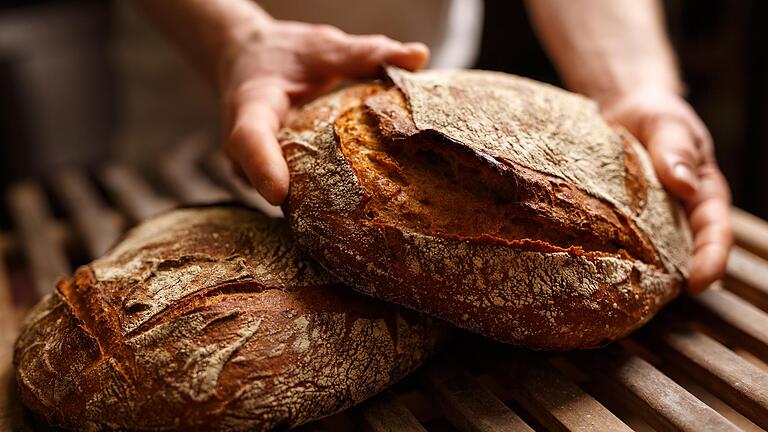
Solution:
(523, 290)
(543, 128)
(211, 319)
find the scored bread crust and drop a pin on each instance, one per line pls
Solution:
(211, 319)
(599, 246)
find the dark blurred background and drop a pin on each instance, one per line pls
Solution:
(58, 95)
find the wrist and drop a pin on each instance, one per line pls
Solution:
(616, 78)
(645, 91)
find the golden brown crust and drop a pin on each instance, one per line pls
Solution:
(210, 319)
(405, 205)
(417, 182)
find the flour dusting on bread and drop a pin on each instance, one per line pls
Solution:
(505, 206)
(211, 319)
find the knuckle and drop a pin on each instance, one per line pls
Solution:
(262, 88)
(237, 100)
(379, 39)
(254, 112)
(376, 41)
(326, 32)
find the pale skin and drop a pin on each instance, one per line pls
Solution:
(615, 52)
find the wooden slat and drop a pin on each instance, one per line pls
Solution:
(385, 414)
(661, 402)
(133, 195)
(220, 168)
(684, 379)
(345, 421)
(180, 170)
(312, 427)
(555, 401)
(419, 403)
(750, 231)
(468, 404)
(733, 379)
(95, 223)
(735, 318)
(10, 410)
(7, 322)
(32, 221)
(747, 276)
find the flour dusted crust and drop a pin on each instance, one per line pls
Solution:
(508, 118)
(572, 243)
(210, 319)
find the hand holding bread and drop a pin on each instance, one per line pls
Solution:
(683, 155)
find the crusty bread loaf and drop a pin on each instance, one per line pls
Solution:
(503, 205)
(210, 319)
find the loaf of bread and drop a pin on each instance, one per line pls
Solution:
(210, 319)
(503, 205)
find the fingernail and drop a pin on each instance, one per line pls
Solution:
(685, 174)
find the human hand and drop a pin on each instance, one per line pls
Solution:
(286, 63)
(683, 154)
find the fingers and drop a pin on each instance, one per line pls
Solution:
(675, 154)
(362, 56)
(325, 55)
(709, 215)
(682, 154)
(251, 144)
(414, 56)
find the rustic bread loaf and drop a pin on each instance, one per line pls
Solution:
(210, 319)
(505, 206)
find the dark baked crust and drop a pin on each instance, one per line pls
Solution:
(459, 227)
(210, 319)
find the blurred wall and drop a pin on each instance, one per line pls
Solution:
(56, 105)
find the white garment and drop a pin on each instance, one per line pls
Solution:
(451, 28)
(160, 99)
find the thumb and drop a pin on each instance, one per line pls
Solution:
(361, 56)
(675, 155)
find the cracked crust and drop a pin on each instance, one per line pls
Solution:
(505, 206)
(210, 319)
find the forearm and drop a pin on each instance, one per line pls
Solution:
(607, 48)
(207, 31)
